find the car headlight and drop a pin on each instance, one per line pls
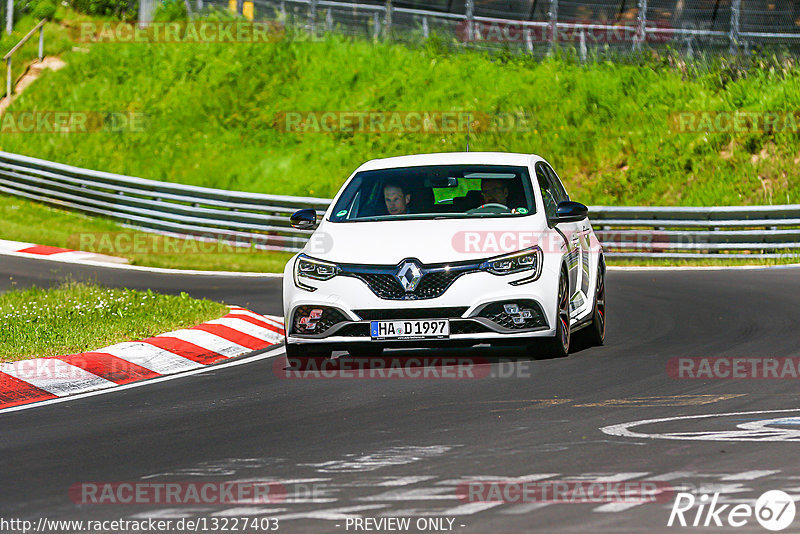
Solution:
(529, 259)
(306, 267)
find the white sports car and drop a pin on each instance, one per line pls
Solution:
(442, 249)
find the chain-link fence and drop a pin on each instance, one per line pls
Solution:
(537, 26)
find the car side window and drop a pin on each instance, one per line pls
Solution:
(558, 188)
(548, 194)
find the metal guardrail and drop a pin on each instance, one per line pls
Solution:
(260, 220)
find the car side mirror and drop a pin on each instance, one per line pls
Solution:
(569, 211)
(305, 219)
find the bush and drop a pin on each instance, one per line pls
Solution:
(127, 10)
(44, 10)
(171, 11)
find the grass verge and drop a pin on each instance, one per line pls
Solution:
(214, 117)
(79, 317)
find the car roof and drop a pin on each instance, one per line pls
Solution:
(450, 158)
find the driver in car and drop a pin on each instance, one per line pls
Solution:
(396, 198)
(494, 192)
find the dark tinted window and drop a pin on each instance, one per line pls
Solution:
(436, 191)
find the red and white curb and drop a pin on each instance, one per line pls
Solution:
(62, 254)
(239, 332)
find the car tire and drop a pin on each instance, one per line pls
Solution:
(595, 332)
(365, 351)
(558, 345)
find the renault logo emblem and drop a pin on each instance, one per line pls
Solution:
(409, 275)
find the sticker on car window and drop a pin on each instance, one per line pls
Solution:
(341, 213)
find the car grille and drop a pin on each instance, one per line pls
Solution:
(497, 313)
(413, 313)
(434, 279)
(468, 327)
(354, 330)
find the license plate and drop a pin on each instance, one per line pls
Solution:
(415, 329)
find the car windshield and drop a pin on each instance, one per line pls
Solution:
(436, 191)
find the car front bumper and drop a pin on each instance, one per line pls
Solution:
(467, 303)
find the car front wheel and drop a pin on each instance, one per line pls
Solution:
(595, 332)
(558, 345)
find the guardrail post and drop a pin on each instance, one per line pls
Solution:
(41, 43)
(376, 26)
(470, 12)
(329, 21)
(736, 6)
(388, 20)
(553, 14)
(583, 46)
(312, 16)
(8, 78)
(528, 39)
(641, 25)
(425, 29)
(9, 16)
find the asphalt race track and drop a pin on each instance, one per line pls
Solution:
(401, 447)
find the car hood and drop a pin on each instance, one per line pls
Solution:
(429, 241)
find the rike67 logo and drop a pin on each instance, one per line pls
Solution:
(774, 510)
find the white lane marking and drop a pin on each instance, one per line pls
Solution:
(247, 511)
(269, 353)
(126, 266)
(673, 475)
(525, 508)
(749, 475)
(170, 513)
(331, 513)
(616, 506)
(607, 477)
(58, 377)
(412, 494)
(384, 458)
(151, 357)
(497, 478)
(403, 481)
(464, 509)
(755, 431)
(208, 341)
(240, 325)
